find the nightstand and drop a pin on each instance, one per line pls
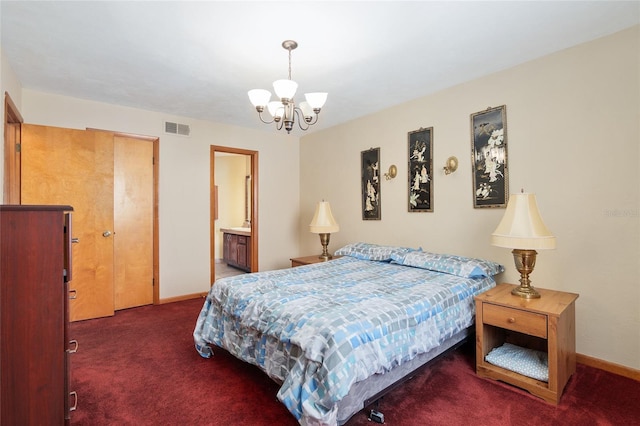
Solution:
(308, 260)
(546, 324)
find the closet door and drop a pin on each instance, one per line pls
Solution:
(133, 215)
(75, 167)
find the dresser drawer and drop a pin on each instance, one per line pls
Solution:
(515, 319)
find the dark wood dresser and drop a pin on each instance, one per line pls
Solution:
(35, 270)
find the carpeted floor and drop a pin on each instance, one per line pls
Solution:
(140, 368)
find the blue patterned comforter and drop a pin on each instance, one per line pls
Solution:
(318, 329)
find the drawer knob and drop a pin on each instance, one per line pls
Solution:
(74, 395)
(73, 346)
(511, 320)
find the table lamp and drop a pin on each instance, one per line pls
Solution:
(523, 230)
(324, 224)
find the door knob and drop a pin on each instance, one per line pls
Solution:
(106, 234)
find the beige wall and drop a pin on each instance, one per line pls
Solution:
(184, 182)
(231, 171)
(573, 134)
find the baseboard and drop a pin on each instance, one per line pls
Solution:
(182, 298)
(618, 369)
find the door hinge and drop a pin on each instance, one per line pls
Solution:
(18, 147)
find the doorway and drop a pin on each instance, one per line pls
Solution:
(12, 147)
(246, 196)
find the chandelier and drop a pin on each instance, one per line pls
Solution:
(285, 112)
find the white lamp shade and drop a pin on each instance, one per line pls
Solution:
(316, 100)
(285, 89)
(323, 221)
(306, 109)
(522, 226)
(259, 97)
(276, 109)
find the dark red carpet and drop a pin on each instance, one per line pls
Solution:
(140, 368)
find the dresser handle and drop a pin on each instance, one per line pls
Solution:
(75, 347)
(73, 395)
(511, 320)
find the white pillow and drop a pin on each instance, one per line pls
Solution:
(368, 251)
(528, 362)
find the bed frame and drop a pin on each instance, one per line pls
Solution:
(367, 392)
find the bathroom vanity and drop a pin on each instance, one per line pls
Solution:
(237, 247)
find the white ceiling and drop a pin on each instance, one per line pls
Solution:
(198, 59)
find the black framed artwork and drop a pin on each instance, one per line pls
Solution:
(489, 157)
(420, 174)
(371, 184)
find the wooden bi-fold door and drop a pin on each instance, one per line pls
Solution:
(133, 221)
(109, 182)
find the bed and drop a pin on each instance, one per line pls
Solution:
(336, 334)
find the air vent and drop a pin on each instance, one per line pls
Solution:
(177, 128)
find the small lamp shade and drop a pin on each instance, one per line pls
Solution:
(307, 111)
(276, 109)
(285, 89)
(522, 226)
(316, 100)
(259, 97)
(323, 221)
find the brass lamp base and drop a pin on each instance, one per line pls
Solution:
(525, 261)
(324, 240)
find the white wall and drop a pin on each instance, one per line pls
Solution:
(573, 135)
(8, 84)
(184, 182)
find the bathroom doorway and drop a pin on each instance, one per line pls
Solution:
(234, 211)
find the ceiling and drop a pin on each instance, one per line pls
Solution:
(198, 59)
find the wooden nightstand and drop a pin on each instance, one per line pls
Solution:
(308, 260)
(546, 324)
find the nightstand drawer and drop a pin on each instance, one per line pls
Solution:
(515, 319)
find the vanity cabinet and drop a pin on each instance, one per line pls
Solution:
(237, 249)
(35, 270)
